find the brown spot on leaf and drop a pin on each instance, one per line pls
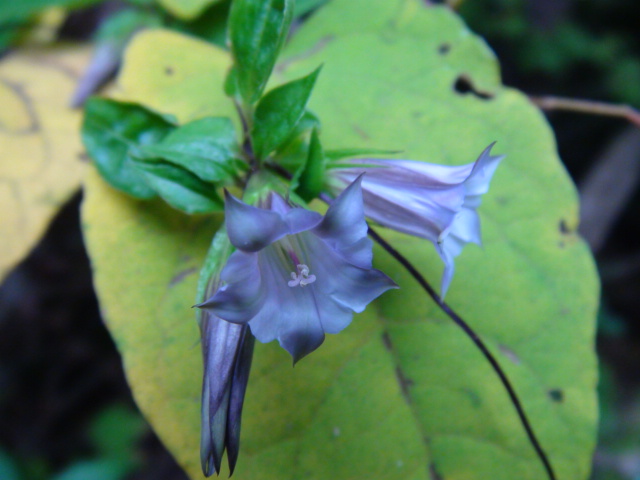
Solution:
(181, 275)
(386, 341)
(434, 473)
(464, 85)
(564, 228)
(405, 384)
(168, 71)
(510, 354)
(556, 394)
(361, 133)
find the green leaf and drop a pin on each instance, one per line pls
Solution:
(207, 147)
(310, 179)
(180, 188)
(278, 112)
(401, 392)
(257, 31)
(333, 155)
(211, 25)
(111, 131)
(302, 7)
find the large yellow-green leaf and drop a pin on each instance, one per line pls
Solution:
(402, 393)
(186, 9)
(41, 161)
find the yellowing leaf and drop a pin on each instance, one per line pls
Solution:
(41, 157)
(401, 393)
(186, 9)
(171, 85)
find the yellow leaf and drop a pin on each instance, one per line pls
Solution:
(188, 90)
(186, 9)
(41, 156)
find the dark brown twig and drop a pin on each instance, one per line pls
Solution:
(550, 103)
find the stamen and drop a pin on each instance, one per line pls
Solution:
(302, 278)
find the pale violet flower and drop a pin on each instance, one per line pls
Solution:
(227, 351)
(296, 274)
(435, 202)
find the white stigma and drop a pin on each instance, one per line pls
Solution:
(301, 278)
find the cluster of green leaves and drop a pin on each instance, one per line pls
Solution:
(146, 154)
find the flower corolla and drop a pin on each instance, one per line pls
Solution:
(296, 274)
(431, 201)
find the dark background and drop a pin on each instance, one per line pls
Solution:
(65, 409)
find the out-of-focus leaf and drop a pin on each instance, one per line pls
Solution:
(401, 393)
(115, 432)
(186, 9)
(207, 147)
(278, 112)
(100, 469)
(257, 31)
(11, 10)
(211, 25)
(8, 468)
(41, 157)
(112, 132)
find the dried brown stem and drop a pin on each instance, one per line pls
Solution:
(550, 103)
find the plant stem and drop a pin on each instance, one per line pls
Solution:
(588, 106)
(476, 340)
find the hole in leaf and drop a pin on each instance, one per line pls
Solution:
(564, 228)
(168, 71)
(463, 85)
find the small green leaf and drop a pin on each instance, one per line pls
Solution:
(279, 111)
(207, 147)
(181, 189)
(311, 175)
(257, 30)
(110, 131)
(338, 154)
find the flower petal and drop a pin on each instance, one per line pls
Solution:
(344, 224)
(243, 293)
(249, 228)
(236, 396)
(338, 280)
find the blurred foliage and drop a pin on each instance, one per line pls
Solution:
(571, 47)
